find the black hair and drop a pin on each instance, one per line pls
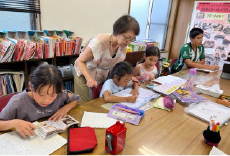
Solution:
(120, 69)
(194, 32)
(45, 75)
(151, 51)
(126, 23)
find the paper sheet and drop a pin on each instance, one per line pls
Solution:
(97, 120)
(13, 144)
(167, 79)
(216, 151)
(107, 106)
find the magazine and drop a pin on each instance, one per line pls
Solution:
(187, 96)
(50, 128)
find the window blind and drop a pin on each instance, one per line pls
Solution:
(29, 6)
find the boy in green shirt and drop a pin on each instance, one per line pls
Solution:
(192, 54)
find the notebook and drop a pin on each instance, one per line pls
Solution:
(13, 144)
(97, 120)
(145, 96)
(207, 109)
(205, 70)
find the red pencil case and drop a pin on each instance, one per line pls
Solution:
(80, 140)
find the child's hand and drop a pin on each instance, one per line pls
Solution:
(131, 99)
(91, 83)
(213, 67)
(134, 92)
(61, 113)
(24, 128)
(151, 77)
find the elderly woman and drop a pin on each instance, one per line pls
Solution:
(100, 54)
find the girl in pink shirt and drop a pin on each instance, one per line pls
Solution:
(146, 70)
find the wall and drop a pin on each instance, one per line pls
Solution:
(183, 18)
(84, 17)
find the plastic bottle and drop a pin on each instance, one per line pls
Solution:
(191, 79)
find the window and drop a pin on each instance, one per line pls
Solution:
(20, 15)
(15, 21)
(153, 17)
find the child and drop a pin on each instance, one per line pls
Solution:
(120, 78)
(146, 70)
(192, 54)
(44, 98)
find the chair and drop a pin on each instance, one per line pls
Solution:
(172, 61)
(96, 91)
(4, 100)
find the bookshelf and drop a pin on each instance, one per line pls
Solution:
(28, 65)
(32, 48)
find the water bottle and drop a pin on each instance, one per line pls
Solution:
(191, 79)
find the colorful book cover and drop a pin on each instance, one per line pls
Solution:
(187, 96)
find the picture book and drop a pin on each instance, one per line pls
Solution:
(186, 96)
(49, 128)
(145, 96)
(207, 109)
(126, 114)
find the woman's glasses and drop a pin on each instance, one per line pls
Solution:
(129, 39)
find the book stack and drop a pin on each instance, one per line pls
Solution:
(141, 45)
(7, 48)
(35, 44)
(11, 82)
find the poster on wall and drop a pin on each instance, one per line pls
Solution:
(214, 18)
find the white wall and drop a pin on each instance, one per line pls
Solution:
(84, 17)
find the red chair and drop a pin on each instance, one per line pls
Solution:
(172, 61)
(4, 100)
(96, 91)
(157, 65)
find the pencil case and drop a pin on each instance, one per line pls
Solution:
(169, 102)
(80, 140)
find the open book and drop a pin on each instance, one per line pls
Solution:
(145, 96)
(49, 128)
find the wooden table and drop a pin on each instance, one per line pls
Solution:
(159, 132)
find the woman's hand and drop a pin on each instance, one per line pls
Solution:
(24, 128)
(91, 83)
